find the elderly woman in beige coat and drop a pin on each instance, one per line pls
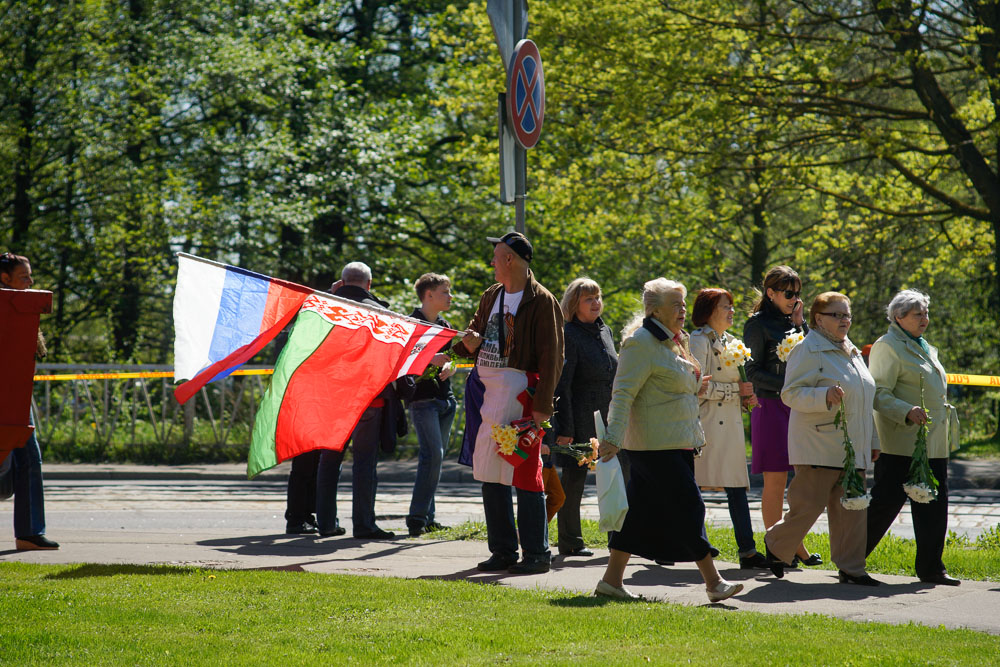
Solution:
(654, 418)
(823, 371)
(723, 462)
(898, 360)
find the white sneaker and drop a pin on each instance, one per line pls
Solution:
(604, 589)
(723, 590)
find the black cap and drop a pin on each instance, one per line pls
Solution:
(517, 242)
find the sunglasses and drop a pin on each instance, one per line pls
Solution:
(789, 294)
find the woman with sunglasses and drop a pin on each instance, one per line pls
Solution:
(777, 313)
(824, 372)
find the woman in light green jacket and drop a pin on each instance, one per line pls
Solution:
(654, 418)
(898, 361)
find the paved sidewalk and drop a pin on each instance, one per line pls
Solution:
(211, 516)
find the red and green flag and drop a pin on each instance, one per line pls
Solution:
(339, 356)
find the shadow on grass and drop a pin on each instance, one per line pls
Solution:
(110, 570)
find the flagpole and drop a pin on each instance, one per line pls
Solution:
(304, 288)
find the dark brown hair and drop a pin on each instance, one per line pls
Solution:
(429, 281)
(778, 278)
(9, 261)
(705, 304)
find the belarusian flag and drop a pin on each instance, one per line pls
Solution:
(339, 356)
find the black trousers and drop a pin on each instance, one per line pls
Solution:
(573, 480)
(930, 520)
(301, 500)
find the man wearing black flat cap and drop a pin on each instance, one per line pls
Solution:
(516, 338)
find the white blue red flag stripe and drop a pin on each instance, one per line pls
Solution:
(223, 316)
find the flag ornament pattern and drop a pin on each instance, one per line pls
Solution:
(223, 316)
(338, 358)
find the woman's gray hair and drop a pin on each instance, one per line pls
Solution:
(904, 302)
(654, 295)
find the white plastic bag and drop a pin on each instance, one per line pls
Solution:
(611, 499)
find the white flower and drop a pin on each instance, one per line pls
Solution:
(856, 502)
(735, 353)
(788, 344)
(920, 493)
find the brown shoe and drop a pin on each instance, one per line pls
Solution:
(35, 543)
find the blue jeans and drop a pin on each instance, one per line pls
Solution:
(365, 444)
(739, 514)
(432, 421)
(531, 524)
(29, 501)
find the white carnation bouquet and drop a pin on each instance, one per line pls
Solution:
(921, 484)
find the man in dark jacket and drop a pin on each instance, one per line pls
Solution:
(515, 336)
(355, 284)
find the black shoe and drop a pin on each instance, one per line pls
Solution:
(579, 551)
(35, 543)
(754, 562)
(943, 579)
(416, 531)
(664, 563)
(377, 534)
(337, 532)
(495, 563)
(529, 567)
(774, 564)
(861, 580)
(812, 561)
(301, 528)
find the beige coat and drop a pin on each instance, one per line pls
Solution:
(654, 403)
(897, 361)
(723, 462)
(815, 365)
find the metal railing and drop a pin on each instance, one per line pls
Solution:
(140, 410)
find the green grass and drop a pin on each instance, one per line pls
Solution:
(977, 559)
(122, 614)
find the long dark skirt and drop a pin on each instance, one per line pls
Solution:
(666, 514)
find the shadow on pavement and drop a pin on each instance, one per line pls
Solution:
(98, 570)
(785, 590)
(285, 545)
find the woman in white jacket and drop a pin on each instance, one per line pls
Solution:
(824, 371)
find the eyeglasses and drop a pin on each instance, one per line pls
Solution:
(838, 316)
(789, 294)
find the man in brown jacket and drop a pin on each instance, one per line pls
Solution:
(517, 332)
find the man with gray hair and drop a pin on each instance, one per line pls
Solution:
(355, 284)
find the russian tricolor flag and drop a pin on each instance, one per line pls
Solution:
(223, 316)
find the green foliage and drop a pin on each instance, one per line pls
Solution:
(157, 614)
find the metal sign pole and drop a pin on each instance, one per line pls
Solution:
(520, 154)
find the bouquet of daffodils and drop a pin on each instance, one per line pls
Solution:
(855, 497)
(921, 485)
(516, 440)
(585, 454)
(737, 354)
(788, 343)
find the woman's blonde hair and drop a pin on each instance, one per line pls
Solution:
(822, 302)
(579, 288)
(654, 295)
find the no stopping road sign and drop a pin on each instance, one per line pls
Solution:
(525, 94)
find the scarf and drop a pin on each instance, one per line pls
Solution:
(846, 346)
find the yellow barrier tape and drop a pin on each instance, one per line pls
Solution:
(974, 380)
(135, 375)
(953, 378)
